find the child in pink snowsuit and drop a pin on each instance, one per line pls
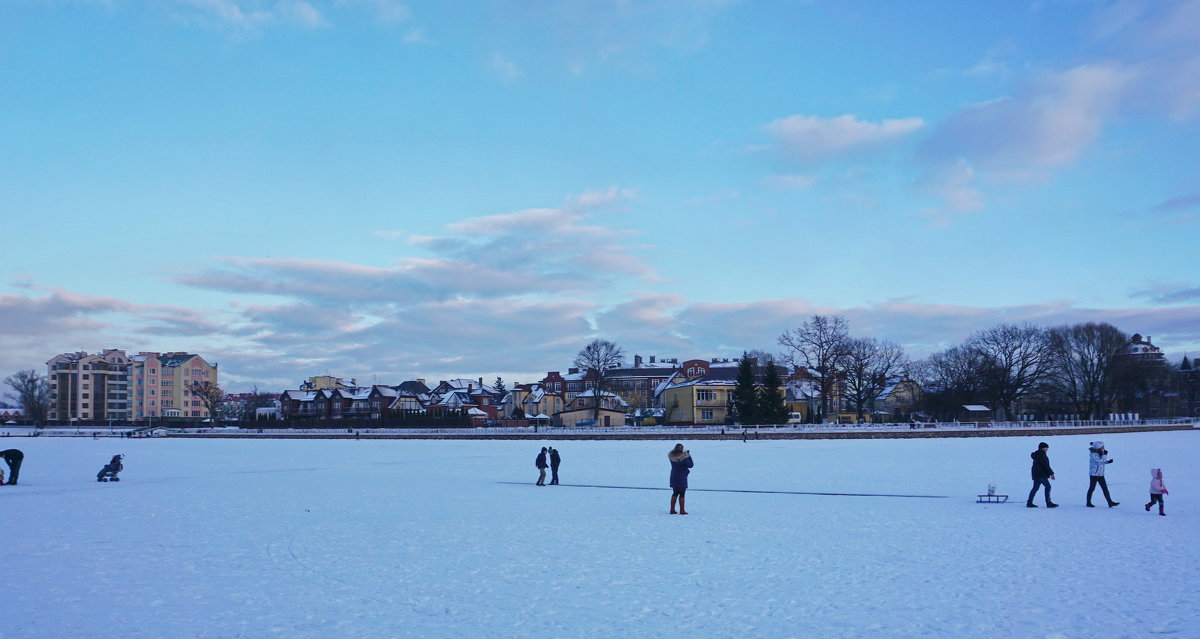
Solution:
(1157, 490)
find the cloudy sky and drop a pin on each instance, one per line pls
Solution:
(389, 189)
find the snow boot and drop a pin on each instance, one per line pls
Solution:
(1030, 504)
(1113, 503)
(674, 498)
(1160, 512)
(1148, 506)
(682, 511)
(1051, 504)
(1091, 505)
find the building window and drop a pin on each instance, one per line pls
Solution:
(706, 395)
(167, 382)
(706, 414)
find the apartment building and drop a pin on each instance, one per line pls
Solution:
(161, 383)
(89, 387)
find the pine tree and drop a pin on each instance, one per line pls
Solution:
(771, 409)
(745, 394)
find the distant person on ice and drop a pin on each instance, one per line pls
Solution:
(681, 462)
(1042, 474)
(13, 458)
(1097, 460)
(1157, 490)
(540, 462)
(555, 460)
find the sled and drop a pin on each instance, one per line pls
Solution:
(992, 499)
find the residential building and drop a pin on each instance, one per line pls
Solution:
(582, 410)
(533, 400)
(161, 385)
(89, 387)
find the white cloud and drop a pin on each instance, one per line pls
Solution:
(790, 182)
(813, 138)
(251, 14)
(387, 11)
(505, 69)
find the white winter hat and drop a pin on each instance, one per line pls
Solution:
(1097, 445)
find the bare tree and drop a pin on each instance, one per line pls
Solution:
(210, 396)
(32, 391)
(1084, 366)
(820, 344)
(596, 359)
(1015, 361)
(949, 379)
(870, 367)
(256, 399)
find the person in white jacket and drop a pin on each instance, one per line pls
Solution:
(1097, 460)
(1157, 490)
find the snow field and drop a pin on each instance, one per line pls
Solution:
(388, 538)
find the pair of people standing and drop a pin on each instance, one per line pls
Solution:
(541, 465)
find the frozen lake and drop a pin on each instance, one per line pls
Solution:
(387, 538)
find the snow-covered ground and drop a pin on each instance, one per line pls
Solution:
(342, 538)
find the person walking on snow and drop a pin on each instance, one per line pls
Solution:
(13, 458)
(681, 463)
(1097, 460)
(1042, 474)
(1157, 490)
(555, 460)
(540, 462)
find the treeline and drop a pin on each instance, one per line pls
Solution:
(1087, 370)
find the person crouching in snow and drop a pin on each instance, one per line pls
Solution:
(1097, 460)
(1157, 490)
(13, 458)
(681, 462)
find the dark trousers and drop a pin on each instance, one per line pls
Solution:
(1098, 479)
(541, 477)
(13, 458)
(554, 475)
(1044, 481)
(1155, 498)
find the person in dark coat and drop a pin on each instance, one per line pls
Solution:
(681, 463)
(13, 458)
(555, 460)
(1042, 474)
(1097, 460)
(541, 466)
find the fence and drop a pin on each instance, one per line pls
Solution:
(344, 431)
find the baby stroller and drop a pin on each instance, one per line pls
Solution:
(110, 470)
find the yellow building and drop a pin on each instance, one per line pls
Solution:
(162, 382)
(700, 400)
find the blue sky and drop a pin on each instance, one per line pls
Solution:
(386, 190)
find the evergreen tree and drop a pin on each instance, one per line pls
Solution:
(499, 386)
(745, 394)
(771, 409)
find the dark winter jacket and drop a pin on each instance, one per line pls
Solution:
(1041, 465)
(541, 460)
(555, 460)
(679, 469)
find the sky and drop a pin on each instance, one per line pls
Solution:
(391, 190)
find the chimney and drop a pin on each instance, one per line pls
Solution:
(1148, 339)
(652, 359)
(470, 387)
(637, 361)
